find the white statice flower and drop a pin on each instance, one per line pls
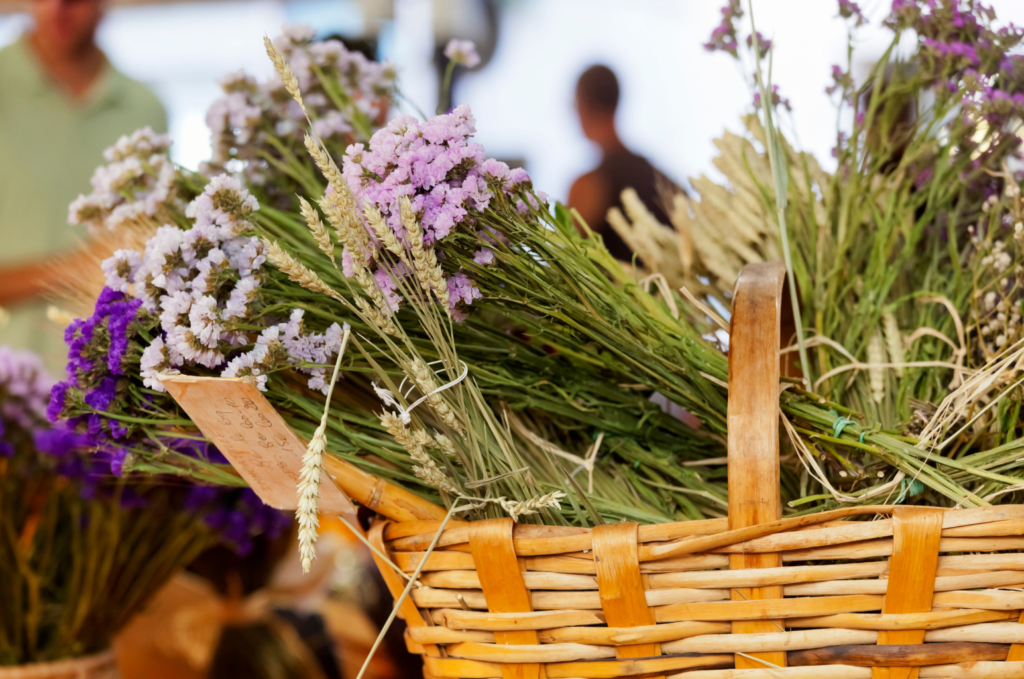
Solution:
(254, 363)
(207, 271)
(242, 295)
(125, 214)
(246, 365)
(293, 35)
(199, 241)
(226, 203)
(237, 81)
(155, 359)
(246, 254)
(164, 248)
(138, 180)
(117, 176)
(161, 193)
(120, 269)
(174, 310)
(90, 210)
(327, 53)
(205, 320)
(143, 141)
(188, 345)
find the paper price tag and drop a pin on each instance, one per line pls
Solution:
(251, 434)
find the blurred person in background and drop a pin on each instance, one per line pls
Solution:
(61, 104)
(593, 194)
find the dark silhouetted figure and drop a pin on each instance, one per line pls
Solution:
(593, 194)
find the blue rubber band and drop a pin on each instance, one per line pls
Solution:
(840, 424)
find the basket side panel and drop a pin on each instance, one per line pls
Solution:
(501, 580)
(621, 585)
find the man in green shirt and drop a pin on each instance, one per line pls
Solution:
(61, 104)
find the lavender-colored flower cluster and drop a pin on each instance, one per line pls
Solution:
(965, 54)
(24, 390)
(344, 91)
(777, 99)
(445, 176)
(723, 38)
(851, 10)
(138, 184)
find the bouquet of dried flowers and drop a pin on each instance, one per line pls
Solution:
(83, 547)
(498, 353)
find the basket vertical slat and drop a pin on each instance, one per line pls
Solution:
(501, 580)
(621, 585)
(912, 570)
(753, 446)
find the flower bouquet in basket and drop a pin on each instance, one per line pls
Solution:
(420, 314)
(83, 548)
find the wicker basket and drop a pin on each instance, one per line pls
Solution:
(917, 593)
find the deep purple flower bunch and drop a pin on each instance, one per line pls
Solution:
(98, 349)
(445, 176)
(237, 515)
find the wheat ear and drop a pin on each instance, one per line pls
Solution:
(296, 271)
(308, 513)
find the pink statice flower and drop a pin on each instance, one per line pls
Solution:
(462, 52)
(484, 256)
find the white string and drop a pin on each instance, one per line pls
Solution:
(403, 413)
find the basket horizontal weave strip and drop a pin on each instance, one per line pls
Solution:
(917, 592)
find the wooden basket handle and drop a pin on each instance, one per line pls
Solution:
(755, 334)
(754, 492)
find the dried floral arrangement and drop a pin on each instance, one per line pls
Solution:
(83, 547)
(488, 350)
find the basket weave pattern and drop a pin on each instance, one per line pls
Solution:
(917, 592)
(589, 603)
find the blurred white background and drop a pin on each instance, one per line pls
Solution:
(676, 97)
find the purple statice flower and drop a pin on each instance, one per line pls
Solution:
(841, 81)
(59, 441)
(764, 45)
(959, 52)
(851, 10)
(777, 100)
(723, 37)
(102, 395)
(462, 52)
(58, 399)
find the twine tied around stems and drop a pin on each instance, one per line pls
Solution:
(586, 462)
(389, 399)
